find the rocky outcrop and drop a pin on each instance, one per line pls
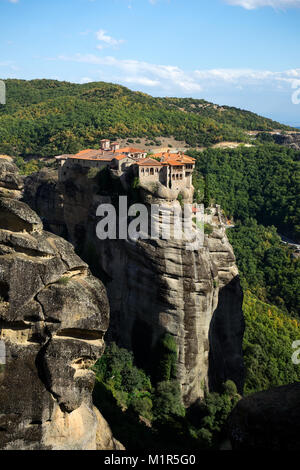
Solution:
(290, 140)
(53, 317)
(158, 286)
(11, 182)
(41, 194)
(267, 420)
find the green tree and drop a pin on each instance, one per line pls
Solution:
(167, 358)
(168, 400)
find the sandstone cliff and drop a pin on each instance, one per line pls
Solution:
(156, 287)
(53, 317)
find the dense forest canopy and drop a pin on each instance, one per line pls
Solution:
(260, 188)
(48, 117)
(261, 182)
(267, 268)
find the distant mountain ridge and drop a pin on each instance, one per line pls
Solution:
(48, 117)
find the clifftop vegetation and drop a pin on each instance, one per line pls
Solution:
(48, 117)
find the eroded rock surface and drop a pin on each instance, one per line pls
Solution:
(11, 183)
(53, 317)
(290, 140)
(157, 287)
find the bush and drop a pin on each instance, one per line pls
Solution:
(117, 369)
(64, 280)
(168, 400)
(180, 199)
(142, 406)
(92, 173)
(229, 388)
(167, 358)
(28, 167)
(208, 229)
(136, 183)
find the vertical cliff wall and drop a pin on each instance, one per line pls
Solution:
(158, 286)
(53, 317)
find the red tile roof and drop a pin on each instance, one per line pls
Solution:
(132, 150)
(103, 159)
(119, 157)
(86, 151)
(173, 163)
(172, 158)
(149, 162)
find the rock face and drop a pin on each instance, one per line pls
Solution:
(290, 140)
(267, 420)
(53, 317)
(158, 287)
(42, 195)
(11, 183)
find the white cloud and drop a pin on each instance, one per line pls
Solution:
(168, 77)
(172, 79)
(243, 77)
(142, 81)
(253, 4)
(85, 80)
(107, 40)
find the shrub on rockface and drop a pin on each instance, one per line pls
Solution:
(142, 405)
(154, 417)
(117, 370)
(209, 416)
(168, 400)
(166, 358)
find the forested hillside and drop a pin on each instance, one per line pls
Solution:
(48, 117)
(262, 182)
(260, 188)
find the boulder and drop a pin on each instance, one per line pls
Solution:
(268, 420)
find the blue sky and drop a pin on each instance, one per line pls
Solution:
(243, 53)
